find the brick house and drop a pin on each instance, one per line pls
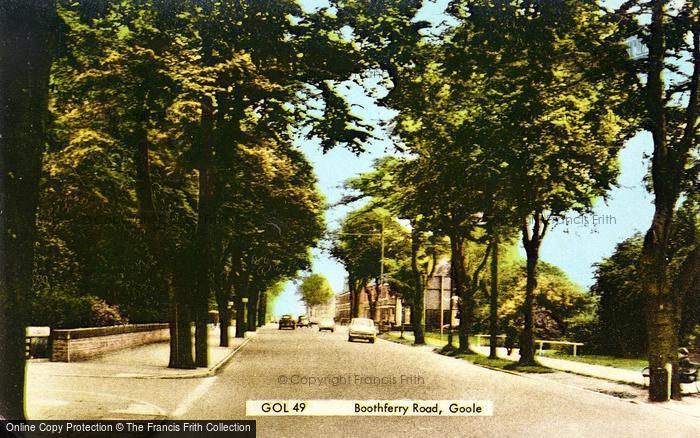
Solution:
(391, 309)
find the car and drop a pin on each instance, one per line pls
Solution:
(303, 321)
(313, 321)
(326, 324)
(362, 328)
(286, 321)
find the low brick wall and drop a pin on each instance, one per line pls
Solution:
(86, 343)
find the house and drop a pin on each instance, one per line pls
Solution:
(392, 310)
(323, 310)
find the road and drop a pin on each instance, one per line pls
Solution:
(266, 367)
(523, 406)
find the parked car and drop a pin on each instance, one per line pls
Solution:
(313, 321)
(362, 328)
(326, 324)
(286, 321)
(303, 321)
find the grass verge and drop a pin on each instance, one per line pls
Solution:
(608, 361)
(433, 339)
(502, 364)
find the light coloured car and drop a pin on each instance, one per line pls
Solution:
(326, 324)
(362, 328)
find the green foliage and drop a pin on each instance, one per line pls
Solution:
(358, 245)
(621, 323)
(621, 329)
(230, 85)
(314, 289)
(272, 294)
(59, 309)
(562, 309)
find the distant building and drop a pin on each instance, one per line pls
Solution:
(324, 310)
(391, 309)
(342, 307)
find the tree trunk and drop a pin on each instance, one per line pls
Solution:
(459, 277)
(371, 302)
(27, 32)
(450, 337)
(378, 290)
(527, 339)
(418, 295)
(223, 295)
(240, 317)
(355, 297)
(180, 334)
(661, 306)
(205, 217)
(262, 309)
(493, 299)
(668, 170)
(351, 289)
(253, 311)
(224, 321)
(201, 334)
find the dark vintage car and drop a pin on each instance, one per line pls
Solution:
(286, 321)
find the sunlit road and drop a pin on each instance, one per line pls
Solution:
(523, 406)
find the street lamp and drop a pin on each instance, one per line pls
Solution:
(245, 311)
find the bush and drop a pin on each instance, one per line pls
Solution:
(59, 309)
(581, 328)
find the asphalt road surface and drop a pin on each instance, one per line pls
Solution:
(276, 364)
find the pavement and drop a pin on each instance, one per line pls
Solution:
(119, 385)
(278, 364)
(144, 362)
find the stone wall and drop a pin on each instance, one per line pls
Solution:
(86, 343)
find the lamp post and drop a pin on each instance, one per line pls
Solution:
(244, 300)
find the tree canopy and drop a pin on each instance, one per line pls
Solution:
(314, 289)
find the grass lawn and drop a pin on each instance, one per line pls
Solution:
(610, 361)
(431, 338)
(503, 364)
(434, 340)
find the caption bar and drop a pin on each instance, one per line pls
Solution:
(169, 428)
(398, 408)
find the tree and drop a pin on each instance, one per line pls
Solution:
(558, 305)
(286, 64)
(392, 185)
(181, 98)
(314, 290)
(115, 86)
(672, 116)
(561, 115)
(370, 242)
(266, 226)
(621, 328)
(27, 34)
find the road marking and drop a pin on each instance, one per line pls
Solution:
(53, 402)
(103, 396)
(138, 409)
(186, 404)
